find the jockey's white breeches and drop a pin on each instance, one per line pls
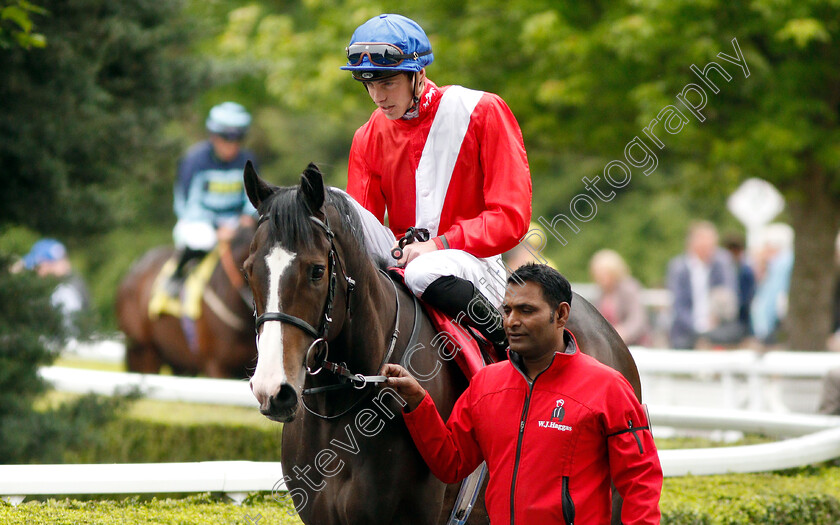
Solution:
(195, 235)
(487, 275)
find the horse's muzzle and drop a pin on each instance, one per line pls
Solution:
(282, 406)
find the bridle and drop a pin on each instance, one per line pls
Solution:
(320, 334)
(357, 381)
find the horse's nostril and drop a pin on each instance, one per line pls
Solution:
(285, 399)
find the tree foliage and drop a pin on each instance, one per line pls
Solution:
(585, 79)
(29, 329)
(552, 62)
(84, 115)
(85, 106)
(16, 25)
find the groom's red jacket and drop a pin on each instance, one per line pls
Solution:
(552, 446)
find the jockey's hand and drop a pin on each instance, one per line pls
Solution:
(406, 386)
(414, 250)
(225, 233)
(247, 221)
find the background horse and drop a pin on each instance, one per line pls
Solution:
(224, 332)
(325, 313)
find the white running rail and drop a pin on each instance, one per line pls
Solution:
(234, 478)
(153, 386)
(812, 438)
(820, 442)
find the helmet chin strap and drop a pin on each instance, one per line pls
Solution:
(412, 111)
(416, 82)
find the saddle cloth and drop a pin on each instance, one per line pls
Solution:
(188, 305)
(458, 339)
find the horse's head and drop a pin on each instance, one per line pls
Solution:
(289, 268)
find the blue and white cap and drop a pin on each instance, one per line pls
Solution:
(228, 119)
(400, 31)
(45, 250)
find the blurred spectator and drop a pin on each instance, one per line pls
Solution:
(529, 249)
(725, 329)
(774, 265)
(745, 276)
(691, 278)
(833, 343)
(48, 258)
(620, 301)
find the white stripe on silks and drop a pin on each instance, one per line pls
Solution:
(440, 154)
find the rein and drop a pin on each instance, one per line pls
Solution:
(229, 266)
(357, 381)
(237, 282)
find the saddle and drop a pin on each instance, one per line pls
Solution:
(471, 350)
(188, 303)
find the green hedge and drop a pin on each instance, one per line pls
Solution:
(793, 509)
(810, 495)
(199, 509)
(137, 441)
(707, 506)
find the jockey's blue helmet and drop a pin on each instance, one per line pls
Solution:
(229, 120)
(385, 45)
(45, 250)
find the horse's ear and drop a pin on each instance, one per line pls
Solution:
(256, 188)
(312, 187)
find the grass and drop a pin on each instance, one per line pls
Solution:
(173, 412)
(70, 361)
(162, 411)
(194, 414)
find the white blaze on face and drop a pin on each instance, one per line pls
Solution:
(270, 373)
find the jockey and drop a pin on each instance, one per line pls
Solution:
(447, 159)
(210, 199)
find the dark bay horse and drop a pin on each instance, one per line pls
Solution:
(328, 318)
(224, 332)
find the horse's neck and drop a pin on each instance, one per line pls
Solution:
(363, 340)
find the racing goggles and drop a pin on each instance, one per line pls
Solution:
(232, 135)
(379, 54)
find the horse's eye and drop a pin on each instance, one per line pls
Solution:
(317, 272)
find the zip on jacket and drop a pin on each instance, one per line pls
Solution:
(519, 446)
(568, 504)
